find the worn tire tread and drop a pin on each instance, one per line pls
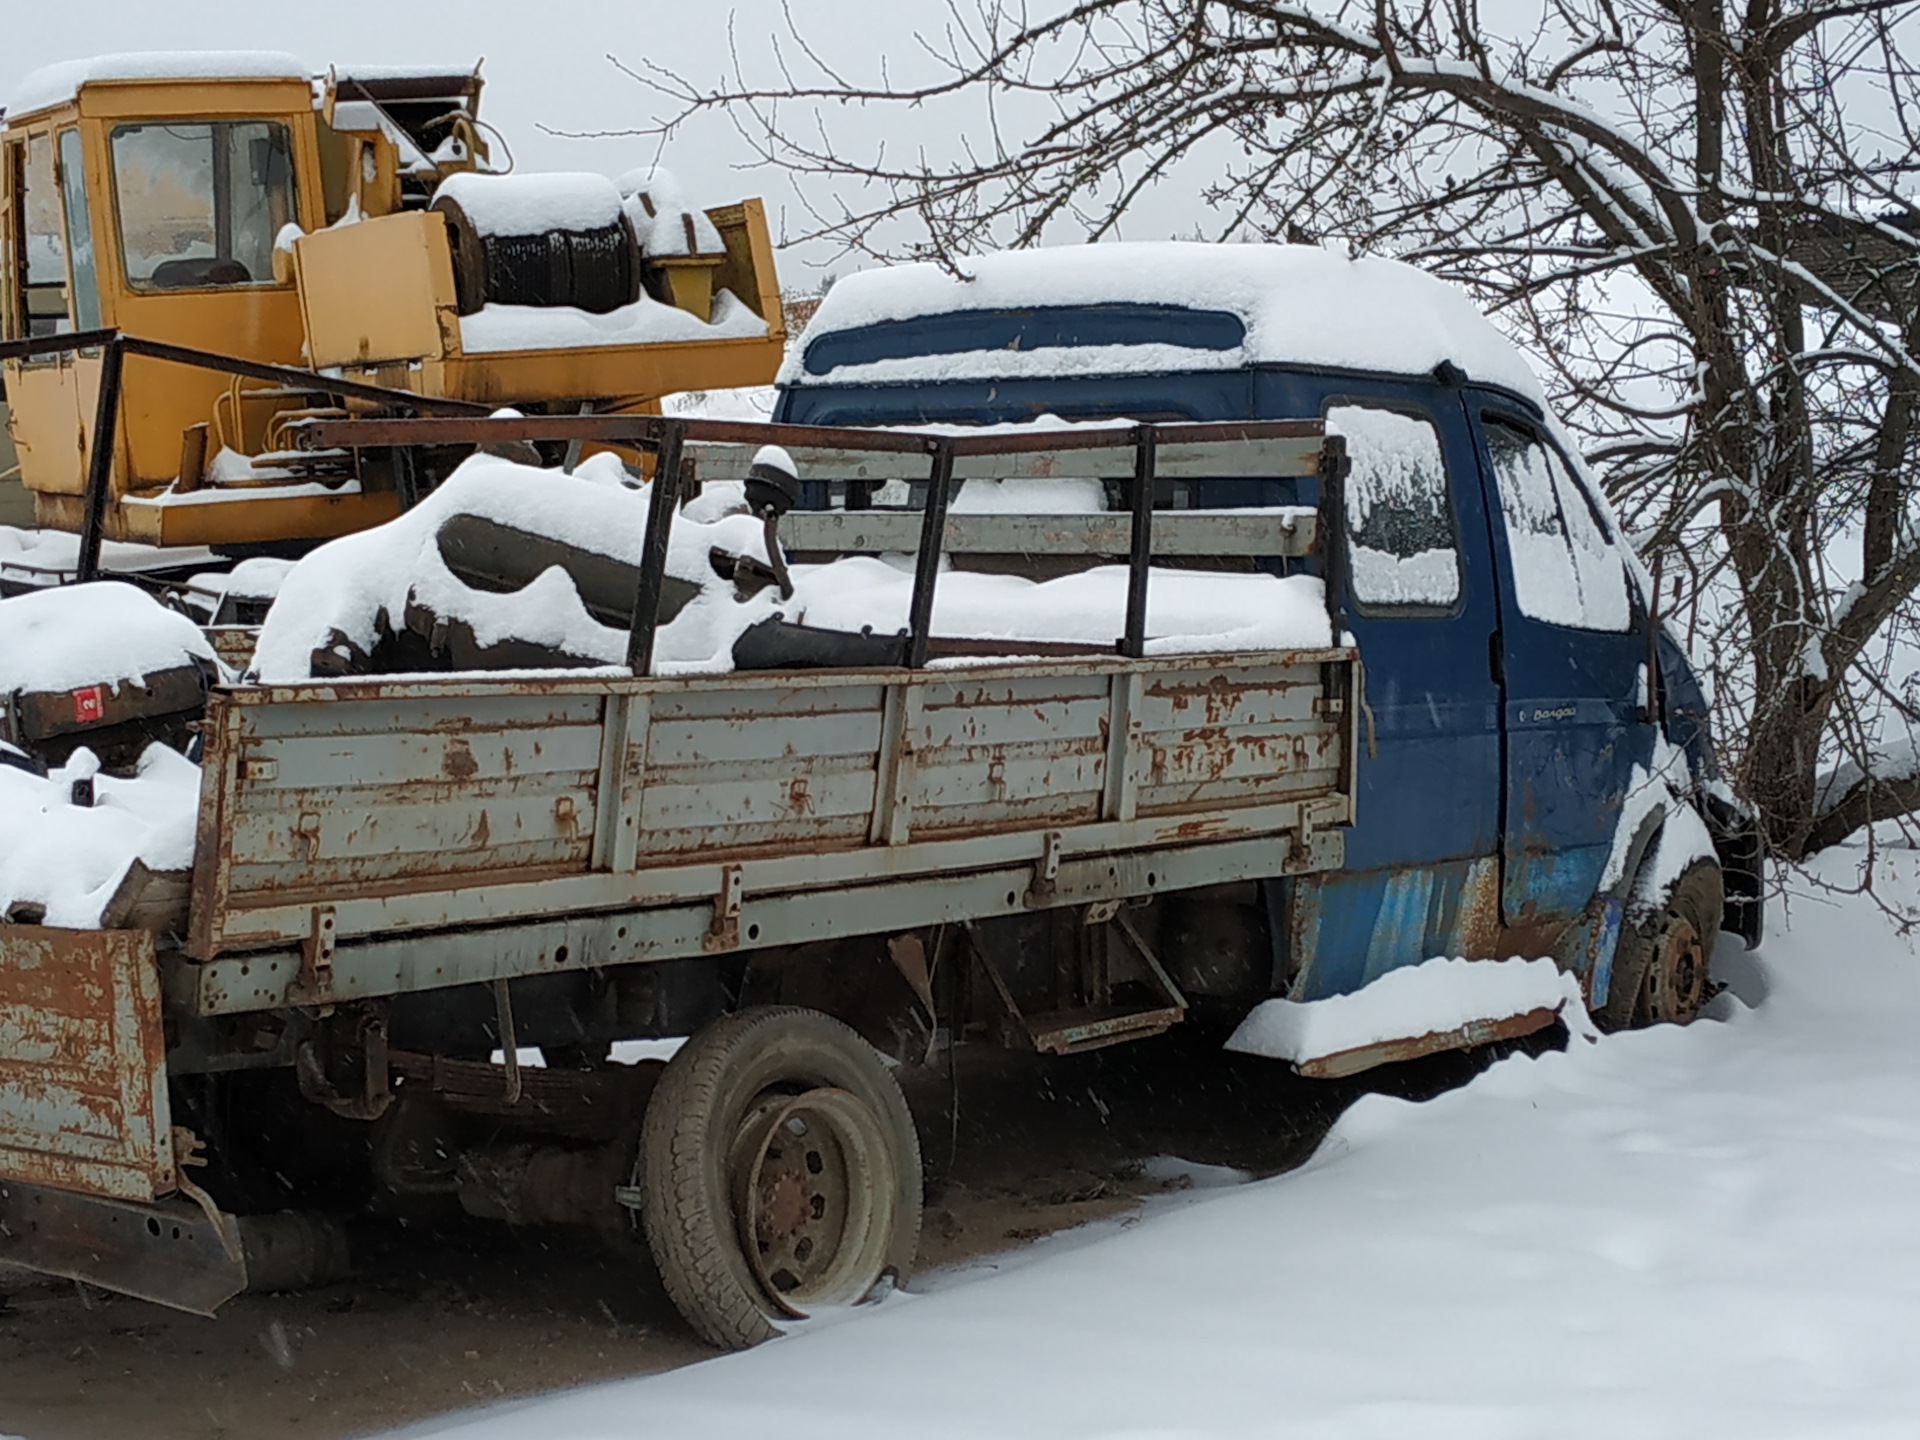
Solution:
(687, 1233)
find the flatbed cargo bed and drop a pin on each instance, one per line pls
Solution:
(707, 814)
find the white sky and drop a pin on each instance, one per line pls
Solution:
(545, 65)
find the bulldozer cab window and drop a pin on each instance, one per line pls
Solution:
(45, 250)
(201, 202)
(73, 191)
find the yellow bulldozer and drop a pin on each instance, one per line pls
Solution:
(202, 251)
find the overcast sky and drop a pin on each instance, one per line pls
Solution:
(545, 65)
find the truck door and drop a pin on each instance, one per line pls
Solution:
(1572, 652)
(1422, 858)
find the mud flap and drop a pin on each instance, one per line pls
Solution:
(169, 1253)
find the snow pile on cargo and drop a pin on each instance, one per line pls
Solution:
(1188, 611)
(60, 862)
(663, 222)
(1432, 998)
(1029, 497)
(738, 402)
(350, 593)
(532, 204)
(103, 633)
(1298, 304)
(351, 589)
(258, 578)
(48, 557)
(567, 327)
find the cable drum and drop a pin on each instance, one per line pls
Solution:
(540, 240)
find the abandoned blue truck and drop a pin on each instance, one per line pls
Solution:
(1378, 688)
(1538, 766)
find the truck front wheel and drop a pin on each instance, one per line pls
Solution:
(779, 1172)
(1660, 968)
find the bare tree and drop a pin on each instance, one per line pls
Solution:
(1695, 214)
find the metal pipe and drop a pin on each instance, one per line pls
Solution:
(509, 1038)
(250, 369)
(406, 475)
(106, 413)
(653, 557)
(933, 538)
(54, 344)
(1141, 557)
(571, 461)
(310, 380)
(643, 431)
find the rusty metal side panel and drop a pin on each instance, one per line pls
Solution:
(765, 765)
(316, 797)
(83, 1095)
(1010, 752)
(1242, 736)
(412, 798)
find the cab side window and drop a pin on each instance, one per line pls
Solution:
(1566, 570)
(45, 250)
(1402, 553)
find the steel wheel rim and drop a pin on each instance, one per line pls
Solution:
(1678, 978)
(812, 1234)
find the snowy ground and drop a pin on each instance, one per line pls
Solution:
(1671, 1233)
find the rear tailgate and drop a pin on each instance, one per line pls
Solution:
(83, 1096)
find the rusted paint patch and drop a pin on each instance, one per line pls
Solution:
(459, 763)
(83, 1102)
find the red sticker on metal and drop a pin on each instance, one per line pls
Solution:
(87, 705)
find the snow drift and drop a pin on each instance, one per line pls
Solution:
(1670, 1233)
(60, 862)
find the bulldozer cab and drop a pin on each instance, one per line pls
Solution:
(148, 205)
(244, 206)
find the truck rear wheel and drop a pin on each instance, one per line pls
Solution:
(1660, 970)
(779, 1172)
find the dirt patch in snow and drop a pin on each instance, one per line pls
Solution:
(440, 1319)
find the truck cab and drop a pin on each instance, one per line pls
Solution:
(1526, 713)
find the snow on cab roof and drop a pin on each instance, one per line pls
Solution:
(1300, 305)
(57, 84)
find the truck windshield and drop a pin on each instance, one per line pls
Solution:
(201, 202)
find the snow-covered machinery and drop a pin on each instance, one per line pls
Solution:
(202, 250)
(104, 666)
